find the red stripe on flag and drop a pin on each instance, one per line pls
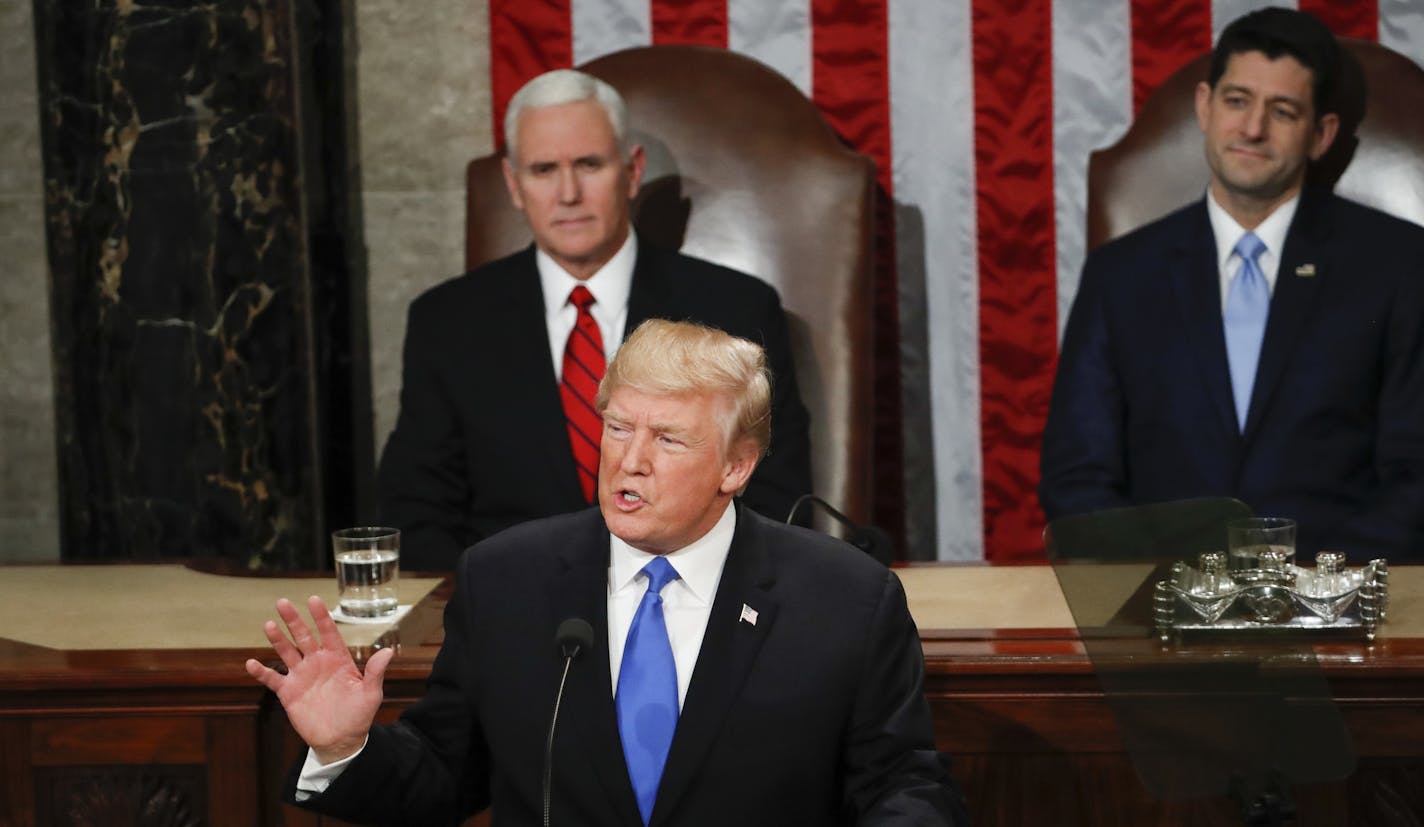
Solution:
(850, 75)
(1355, 19)
(690, 22)
(850, 82)
(1165, 35)
(527, 37)
(1018, 326)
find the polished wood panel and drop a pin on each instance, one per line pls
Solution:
(1022, 712)
(111, 739)
(1035, 739)
(17, 792)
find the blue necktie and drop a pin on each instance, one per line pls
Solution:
(1248, 303)
(647, 690)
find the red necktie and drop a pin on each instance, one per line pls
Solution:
(583, 369)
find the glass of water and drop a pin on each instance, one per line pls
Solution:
(367, 570)
(1246, 539)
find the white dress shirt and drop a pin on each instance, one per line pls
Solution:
(610, 287)
(1227, 232)
(687, 601)
(687, 604)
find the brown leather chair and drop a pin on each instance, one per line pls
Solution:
(1378, 158)
(743, 171)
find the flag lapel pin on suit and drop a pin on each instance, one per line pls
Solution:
(1305, 270)
(749, 615)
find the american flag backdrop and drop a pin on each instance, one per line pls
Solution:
(979, 115)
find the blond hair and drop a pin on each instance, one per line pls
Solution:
(663, 357)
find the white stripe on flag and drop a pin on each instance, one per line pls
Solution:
(605, 26)
(1401, 27)
(778, 34)
(1092, 107)
(932, 124)
(1225, 11)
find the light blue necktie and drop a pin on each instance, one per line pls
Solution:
(647, 690)
(1248, 303)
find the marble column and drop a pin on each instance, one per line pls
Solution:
(186, 370)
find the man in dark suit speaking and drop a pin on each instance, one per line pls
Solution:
(499, 364)
(1266, 342)
(740, 671)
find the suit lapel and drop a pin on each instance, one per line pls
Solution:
(581, 590)
(729, 649)
(528, 340)
(1196, 287)
(1291, 304)
(648, 296)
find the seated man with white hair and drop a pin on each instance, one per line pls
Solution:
(495, 424)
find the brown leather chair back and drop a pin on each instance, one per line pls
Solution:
(743, 171)
(1377, 159)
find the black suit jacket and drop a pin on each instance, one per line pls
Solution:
(813, 715)
(481, 443)
(1142, 408)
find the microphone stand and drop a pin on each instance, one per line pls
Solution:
(871, 539)
(572, 637)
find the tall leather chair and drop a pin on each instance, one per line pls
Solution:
(743, 171)
(1377, 159)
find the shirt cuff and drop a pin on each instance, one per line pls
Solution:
(316, 776)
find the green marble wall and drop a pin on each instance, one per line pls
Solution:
(197, 192)
(186, 373)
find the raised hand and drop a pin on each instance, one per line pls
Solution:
(330, 703)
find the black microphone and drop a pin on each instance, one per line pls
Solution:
(871, 539)
(574, 635)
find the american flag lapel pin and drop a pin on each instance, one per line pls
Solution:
(749, 615)
(1305, 270)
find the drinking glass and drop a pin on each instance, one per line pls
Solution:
(1247, 538)
(367, 570)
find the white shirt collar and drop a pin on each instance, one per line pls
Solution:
(610, 285)
(699, 564)
(1272, 232)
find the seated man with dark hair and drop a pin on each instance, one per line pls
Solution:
(499, 364)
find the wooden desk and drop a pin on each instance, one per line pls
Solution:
(88, 733)
(123, 720)
(1035, 739)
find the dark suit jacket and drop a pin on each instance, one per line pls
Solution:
(1142, 407)
(481, 443)
(814, 715)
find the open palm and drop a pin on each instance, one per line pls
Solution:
(330, 703)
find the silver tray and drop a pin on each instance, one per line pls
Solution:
(1204, 599)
